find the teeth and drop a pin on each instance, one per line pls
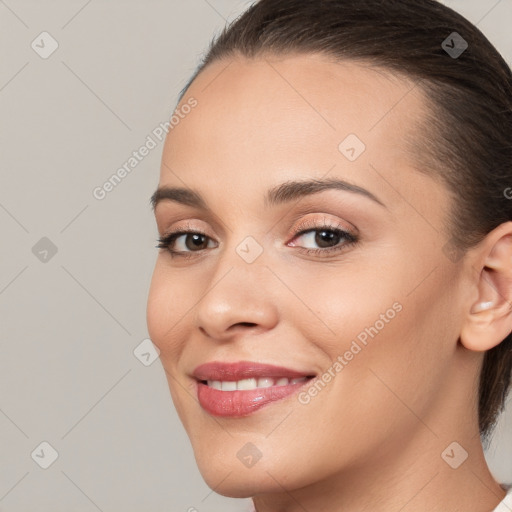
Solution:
(265, 382)
(215, 384)
(248, 384)
(228, 385)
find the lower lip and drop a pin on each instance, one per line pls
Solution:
(242, 403)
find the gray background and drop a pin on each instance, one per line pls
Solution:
(69, 324)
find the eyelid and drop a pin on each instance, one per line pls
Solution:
(184, 225)
(307, 224)
(184, 216)
(315, 223)
(327, 213)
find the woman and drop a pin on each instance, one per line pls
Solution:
(331, 299)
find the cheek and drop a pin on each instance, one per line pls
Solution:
(381, 324)
(166, 320)
(166, 312)
(338, 305)
(397, 358)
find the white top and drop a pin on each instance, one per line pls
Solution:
(506, 504)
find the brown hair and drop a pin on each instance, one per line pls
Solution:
(466, 136)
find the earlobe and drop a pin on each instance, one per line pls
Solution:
(489, 319)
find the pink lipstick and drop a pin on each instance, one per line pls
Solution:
(238, 389)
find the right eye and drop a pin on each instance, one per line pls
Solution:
(192, 241)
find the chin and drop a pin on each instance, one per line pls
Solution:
(239, 482)
(220, 464)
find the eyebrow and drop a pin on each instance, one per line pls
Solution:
(282, 193)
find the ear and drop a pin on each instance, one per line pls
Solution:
(489, 318)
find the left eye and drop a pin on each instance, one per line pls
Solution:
(329, 239)
(325, 238)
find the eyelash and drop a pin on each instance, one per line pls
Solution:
(165, 241)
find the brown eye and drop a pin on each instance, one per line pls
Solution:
(183, 242)
(195, 241)
(325, 238)
(328, 239)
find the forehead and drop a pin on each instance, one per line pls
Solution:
(261, 121)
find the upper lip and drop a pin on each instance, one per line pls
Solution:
(217, 370)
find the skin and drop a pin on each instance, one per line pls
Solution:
(372, 439)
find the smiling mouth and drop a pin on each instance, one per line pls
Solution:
(236, 389)
(237, 399)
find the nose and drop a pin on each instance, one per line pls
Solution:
(240, 297)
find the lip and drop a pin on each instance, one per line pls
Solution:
(217, 370)
(240, 403)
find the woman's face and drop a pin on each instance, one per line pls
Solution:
(374, 316)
